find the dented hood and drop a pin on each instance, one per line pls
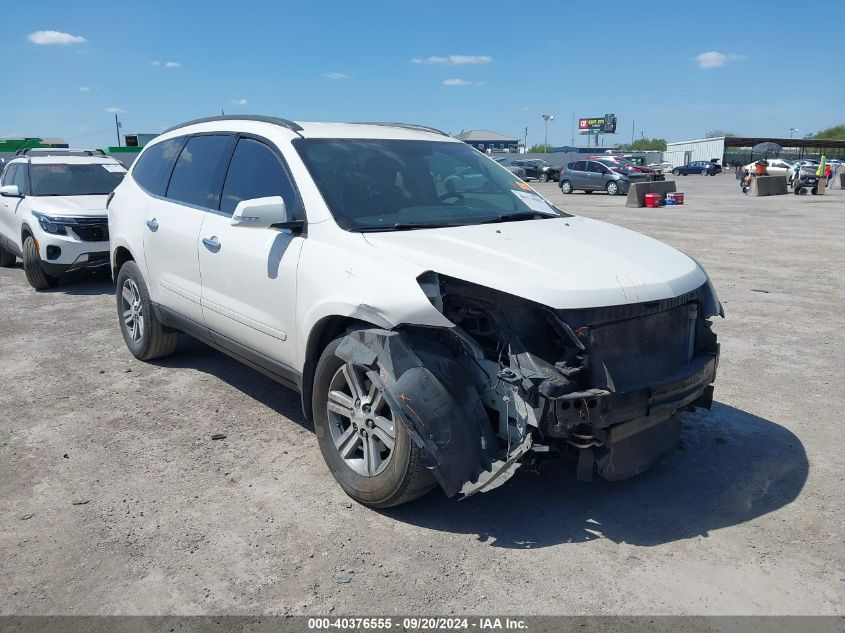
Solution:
(561, 263)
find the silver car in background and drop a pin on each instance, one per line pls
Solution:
(591, 175)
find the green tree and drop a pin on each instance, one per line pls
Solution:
(836, 132)
(645, 144)
(540, 149)
(718, 133)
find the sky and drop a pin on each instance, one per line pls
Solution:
(672, 70)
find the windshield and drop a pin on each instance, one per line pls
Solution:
(74, 180)
(382, 185)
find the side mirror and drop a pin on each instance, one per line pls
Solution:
(10, 191)
(262, 213)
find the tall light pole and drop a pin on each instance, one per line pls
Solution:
(547, 118)
(792, 131)
(117, 126)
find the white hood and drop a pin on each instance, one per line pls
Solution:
(561, 263)
(70, 206)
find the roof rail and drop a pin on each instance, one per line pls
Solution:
(294, 127)
(59, 151)
(407, 126)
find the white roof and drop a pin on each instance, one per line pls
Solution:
(312, 129)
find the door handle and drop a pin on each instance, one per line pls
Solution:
(211, 243)
(152, 224)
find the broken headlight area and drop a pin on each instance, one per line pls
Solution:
(514, 377)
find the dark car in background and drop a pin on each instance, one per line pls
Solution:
(590, 175)
(539, 169)
(517, 171)
(702, 167)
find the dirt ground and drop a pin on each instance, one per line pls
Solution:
(116, 501)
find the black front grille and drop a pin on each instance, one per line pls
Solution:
(637, 352)
(95, 230)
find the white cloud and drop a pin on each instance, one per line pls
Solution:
(55, 37)
(461, 82)
(337, 76)
(156, 63)
(715, 59)
(239, 102)
(172, 65)
(454, 60)
(84, 89)
(115, 110)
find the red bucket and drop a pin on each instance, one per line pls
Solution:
(652, 200)
(677, 197)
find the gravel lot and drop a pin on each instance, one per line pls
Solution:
(116, 501)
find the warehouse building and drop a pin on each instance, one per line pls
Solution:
(738, 150)
(490, 142)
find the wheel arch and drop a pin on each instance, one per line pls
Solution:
(324, 332)
(119, 257)
(26, 230)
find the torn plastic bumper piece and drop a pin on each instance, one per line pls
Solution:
(436, 400)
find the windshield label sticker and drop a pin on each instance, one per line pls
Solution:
(114, 168)
(533, 201)
(522, 185)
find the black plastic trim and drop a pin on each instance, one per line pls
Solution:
(281, 373)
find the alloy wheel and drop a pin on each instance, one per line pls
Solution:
(361, 423)
(133, 310)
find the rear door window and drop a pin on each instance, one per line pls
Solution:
(198, 174)
(152, 169)
(579, 166)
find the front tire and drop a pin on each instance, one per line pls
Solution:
(7, 258)
(612, 188)
(35, 275)
(366, 447)
(566, 187)
(704, 172)
(144, 335)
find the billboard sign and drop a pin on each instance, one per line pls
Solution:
(598, 125)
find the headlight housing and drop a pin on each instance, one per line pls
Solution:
(53, 225)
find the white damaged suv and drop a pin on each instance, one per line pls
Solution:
(53, 211)
(439, 334)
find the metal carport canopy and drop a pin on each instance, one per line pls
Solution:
(800, 143)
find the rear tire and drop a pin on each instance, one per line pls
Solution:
(7, 258)
(402, 478)
(544, 178)
(35, 275)
(566, 187)
(144, 335)
(677, 172)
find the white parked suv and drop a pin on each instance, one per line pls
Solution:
(437, 336)
(53, 211)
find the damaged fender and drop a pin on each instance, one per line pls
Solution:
(434, 397)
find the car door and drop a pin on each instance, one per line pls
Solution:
(249, 273)
(595, 177)
(173, 223)
(579, 175)
(14, 209)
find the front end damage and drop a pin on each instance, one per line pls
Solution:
(514, 378)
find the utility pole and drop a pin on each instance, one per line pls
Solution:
(117, 126)
(572, 141)
(547, 118)
(633, 127)
(792, 131)
(525, 144)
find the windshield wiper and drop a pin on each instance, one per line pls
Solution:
(410, 226)
(516, 217)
